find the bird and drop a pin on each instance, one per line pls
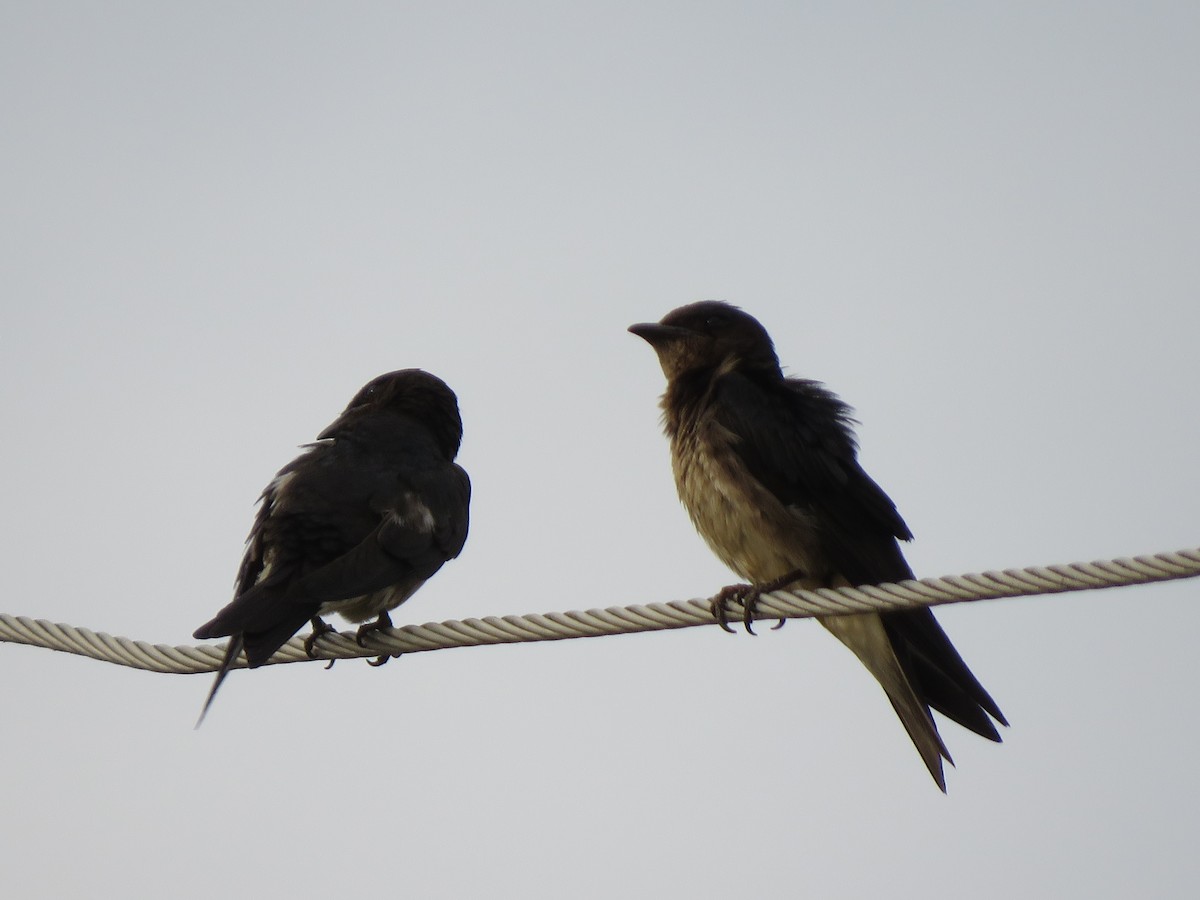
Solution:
(767, 468)
(355, 524)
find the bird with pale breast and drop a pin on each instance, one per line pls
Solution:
(767, 467)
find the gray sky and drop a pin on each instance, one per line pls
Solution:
(977, 224)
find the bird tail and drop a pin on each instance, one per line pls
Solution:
(866, 636)
(263, 617)
(232, 650)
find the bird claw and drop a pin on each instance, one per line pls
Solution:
(779, 584)
(319, 627)
(384, 621)
(383, 660)
(749, 602)
(745, 594)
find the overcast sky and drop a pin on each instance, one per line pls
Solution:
(978, 223)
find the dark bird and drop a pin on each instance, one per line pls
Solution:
(767, 467)
(355, 524)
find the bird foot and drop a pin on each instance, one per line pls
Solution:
(747, 595)
(744, 594)
(319, 627)
(384, 621)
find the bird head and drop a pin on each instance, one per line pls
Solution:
(709, 335)
(413, 393)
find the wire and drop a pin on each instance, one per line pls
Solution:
(559, 626)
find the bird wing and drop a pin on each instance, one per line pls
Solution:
(795, 439)
(447, 494)
(420, 522)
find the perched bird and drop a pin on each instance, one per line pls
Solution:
(355, 524)
(767, 467)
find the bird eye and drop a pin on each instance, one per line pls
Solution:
(364, 396)
(715, 323)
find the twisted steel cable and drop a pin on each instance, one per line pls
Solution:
(558, 626)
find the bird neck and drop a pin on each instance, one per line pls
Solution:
(689, 395)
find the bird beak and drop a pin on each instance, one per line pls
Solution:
(656, 334)
(335, 426)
